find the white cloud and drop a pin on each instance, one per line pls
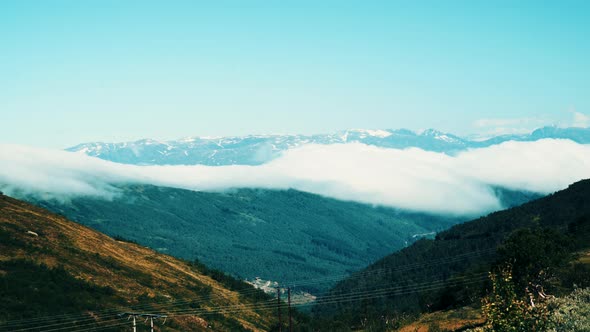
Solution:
(411, 179)
(580, 120)
(490, 127)
(497, 126)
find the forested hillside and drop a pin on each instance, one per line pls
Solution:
(451, 269)
(283, 236)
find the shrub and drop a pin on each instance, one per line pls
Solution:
(571, 313)
(506, 311)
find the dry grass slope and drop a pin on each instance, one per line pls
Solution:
(127, 268)
(451, 320)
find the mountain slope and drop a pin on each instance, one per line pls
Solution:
(276, 235)
(465, 250)
(72, 276)
(258, 149)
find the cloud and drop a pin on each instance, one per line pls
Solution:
(505, 126)
(490, 127)
(580, 120)
(411, 179)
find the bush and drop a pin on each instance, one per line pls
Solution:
(571, 313)
(506, 311)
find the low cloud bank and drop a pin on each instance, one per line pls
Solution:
(411, 179)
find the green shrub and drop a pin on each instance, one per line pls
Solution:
(571, 313)
(506, 311)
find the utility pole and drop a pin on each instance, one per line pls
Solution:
(151, 317)
(129, 316)
(290, 318)
(279, 308)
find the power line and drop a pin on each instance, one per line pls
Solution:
(356, 296)
(413, 288)
(105, 314)
(315, 281)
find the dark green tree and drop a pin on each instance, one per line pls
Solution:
(536, 255)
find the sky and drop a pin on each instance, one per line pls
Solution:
(80, 71)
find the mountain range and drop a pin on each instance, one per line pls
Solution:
(259, 149)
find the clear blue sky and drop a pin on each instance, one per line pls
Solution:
(76, 71)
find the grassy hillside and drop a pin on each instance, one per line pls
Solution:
(276, 235)
(58, 275)
(447, 271)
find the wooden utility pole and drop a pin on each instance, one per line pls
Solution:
(290, 318)
(279, 308)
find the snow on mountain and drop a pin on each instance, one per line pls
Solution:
(375, 133)
(258, 149)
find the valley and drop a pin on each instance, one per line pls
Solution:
(294, 166)
(283, 236)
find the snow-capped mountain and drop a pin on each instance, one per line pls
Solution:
(258, 149)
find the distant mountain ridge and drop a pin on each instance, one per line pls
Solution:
(259, 149)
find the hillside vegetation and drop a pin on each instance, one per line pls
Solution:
(282, 236)
(542, 237)
(58, 275)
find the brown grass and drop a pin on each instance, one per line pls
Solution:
(451, 320)
(79, 249)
